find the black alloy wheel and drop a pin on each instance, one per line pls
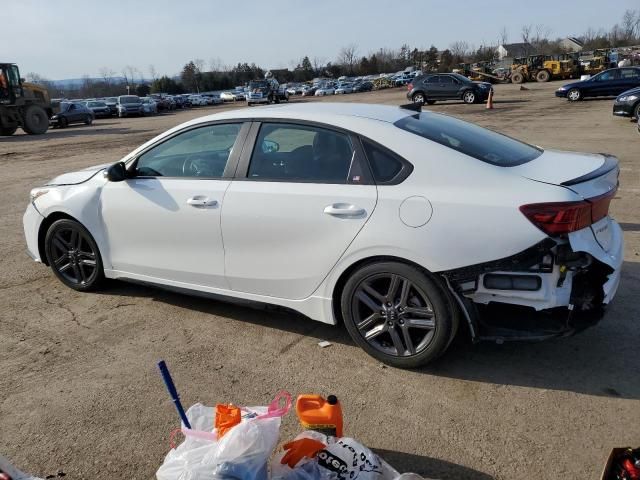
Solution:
(73, 255)
(397, 314)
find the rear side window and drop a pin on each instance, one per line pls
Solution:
(470, 139)
(630, 73)
(385, 167)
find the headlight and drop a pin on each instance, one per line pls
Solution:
(628, 98)
(55, 117)
(562, 89)
(37, 193)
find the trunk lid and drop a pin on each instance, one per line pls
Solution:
(594, 177)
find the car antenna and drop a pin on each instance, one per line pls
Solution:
(414, 107)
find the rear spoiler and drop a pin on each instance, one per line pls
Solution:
(610, 163)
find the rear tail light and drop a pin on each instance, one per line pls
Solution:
(409, 86)
(562, 218)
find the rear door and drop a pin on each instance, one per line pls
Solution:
(301, 195)
(629, 78)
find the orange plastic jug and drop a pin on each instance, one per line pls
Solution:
(316, 413)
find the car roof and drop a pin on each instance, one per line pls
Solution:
(328, 112)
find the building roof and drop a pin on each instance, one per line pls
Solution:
(518, 49)
(575, 40)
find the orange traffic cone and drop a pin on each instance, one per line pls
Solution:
(490, 100)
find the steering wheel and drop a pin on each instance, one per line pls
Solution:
(191, 167)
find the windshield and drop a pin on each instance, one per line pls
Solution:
(259, 84)
(96, 104)
(130, 99)
(470, 139)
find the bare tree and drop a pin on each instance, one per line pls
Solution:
(503, 36)
(348, 56)
(199, 63)
(631, 24)
(107, 75)
(318, 64)
(215, 65)
(459, 49)
(153, 73)
(526, 33)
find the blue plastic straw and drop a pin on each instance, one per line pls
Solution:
(173, 393)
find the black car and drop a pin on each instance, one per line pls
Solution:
(609, 83)
(99, 108)
(447, 86)
(72, 113)
(363, 87)
(627, 104)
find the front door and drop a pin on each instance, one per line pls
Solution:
(302, 198)
(164, 223)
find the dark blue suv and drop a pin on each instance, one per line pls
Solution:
(609, 83)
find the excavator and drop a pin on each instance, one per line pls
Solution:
(22, 104)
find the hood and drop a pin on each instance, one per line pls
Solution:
(477, 82)
(74, 178)
(557, 167)
(579, 84)
(633, 91)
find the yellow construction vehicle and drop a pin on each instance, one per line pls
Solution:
(543, 68)
(22, 104)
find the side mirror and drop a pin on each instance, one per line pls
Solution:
(117, 172)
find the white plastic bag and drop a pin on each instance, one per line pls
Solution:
(241, 454)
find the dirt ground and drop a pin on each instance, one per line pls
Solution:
(79, 390)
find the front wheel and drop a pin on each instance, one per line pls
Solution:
(418, 98)
(469, 97)
(63, 122)
(88, 120)
(397, 314)
(543, 76)
(73, 255)
(574, 95)
(36, 120)
(636, 111)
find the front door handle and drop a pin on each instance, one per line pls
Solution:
(344, 210)
(200, 201)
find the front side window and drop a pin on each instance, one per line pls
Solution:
(200, 152)
(607, 75)
(300, 153)
(470, 139)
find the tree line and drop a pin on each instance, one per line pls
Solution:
(196, 77)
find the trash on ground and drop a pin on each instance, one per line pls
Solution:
(324, 344)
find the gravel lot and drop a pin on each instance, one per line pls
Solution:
(79, 390)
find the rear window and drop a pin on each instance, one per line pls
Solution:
(470, 139)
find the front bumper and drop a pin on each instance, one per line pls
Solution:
(561, 93)
(31, 221)
(623, 109)
(258, 99)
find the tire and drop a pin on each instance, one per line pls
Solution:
(63, 122)
(543, 76)
(36, 120)
(636, 111)
(7, 131)
(574, 95)
(73, 255)
(418, 97)
(469, 97)
(372, 303)
(517, 77)
(431, 102)
(88, 120)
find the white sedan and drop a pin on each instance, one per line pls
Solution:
(227, 96)
(326, 90)
(197, 100)
(403, 225)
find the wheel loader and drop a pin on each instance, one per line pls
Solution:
(542, 68)
(22, 104)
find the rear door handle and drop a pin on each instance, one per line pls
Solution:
(344, 210)
(200, 201)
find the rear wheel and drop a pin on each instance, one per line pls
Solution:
(636, 111)
(397, 314)
(73, 255)
(574, 95)
(543, 76)
(36, 120)
(418, 97)
(7, 131)
(469, 97)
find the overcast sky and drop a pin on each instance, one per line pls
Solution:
(70, 38)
